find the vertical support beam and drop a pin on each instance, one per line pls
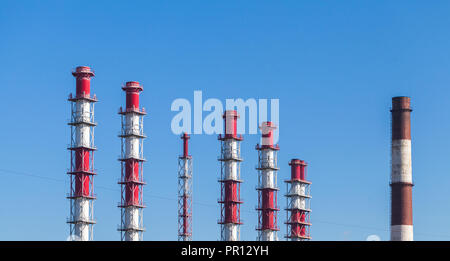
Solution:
(185, 192)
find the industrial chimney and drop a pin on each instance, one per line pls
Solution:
(267, 185)
(81, 194)
(230, 179)
(298, 202)
(401, 171)
(131, 182)
(185, 192)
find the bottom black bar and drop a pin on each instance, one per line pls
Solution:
(212, 250)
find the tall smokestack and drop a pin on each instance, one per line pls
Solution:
(401, 171)
(298, 202)
(267, 185)
(185, 192)
(132, 158)
(82, 149)
(230, 179)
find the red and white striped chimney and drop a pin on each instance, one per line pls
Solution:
(132, 158)
(267, 185)
(401, 171)
(230, 179)
(298, 202)
(82, 149)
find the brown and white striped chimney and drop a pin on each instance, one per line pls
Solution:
(401, 171)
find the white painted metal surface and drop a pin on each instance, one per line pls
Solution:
(401, 161)
(298, 194)
(267, 179)
(82, 214)
(231, 151)
(132, 219)
(402, 233)
(231, 232)
(82, 132)
(269, 235)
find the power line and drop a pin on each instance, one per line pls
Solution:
(5, 171)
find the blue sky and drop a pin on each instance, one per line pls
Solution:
(333, 65)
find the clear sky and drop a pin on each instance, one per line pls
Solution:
(333, 65)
